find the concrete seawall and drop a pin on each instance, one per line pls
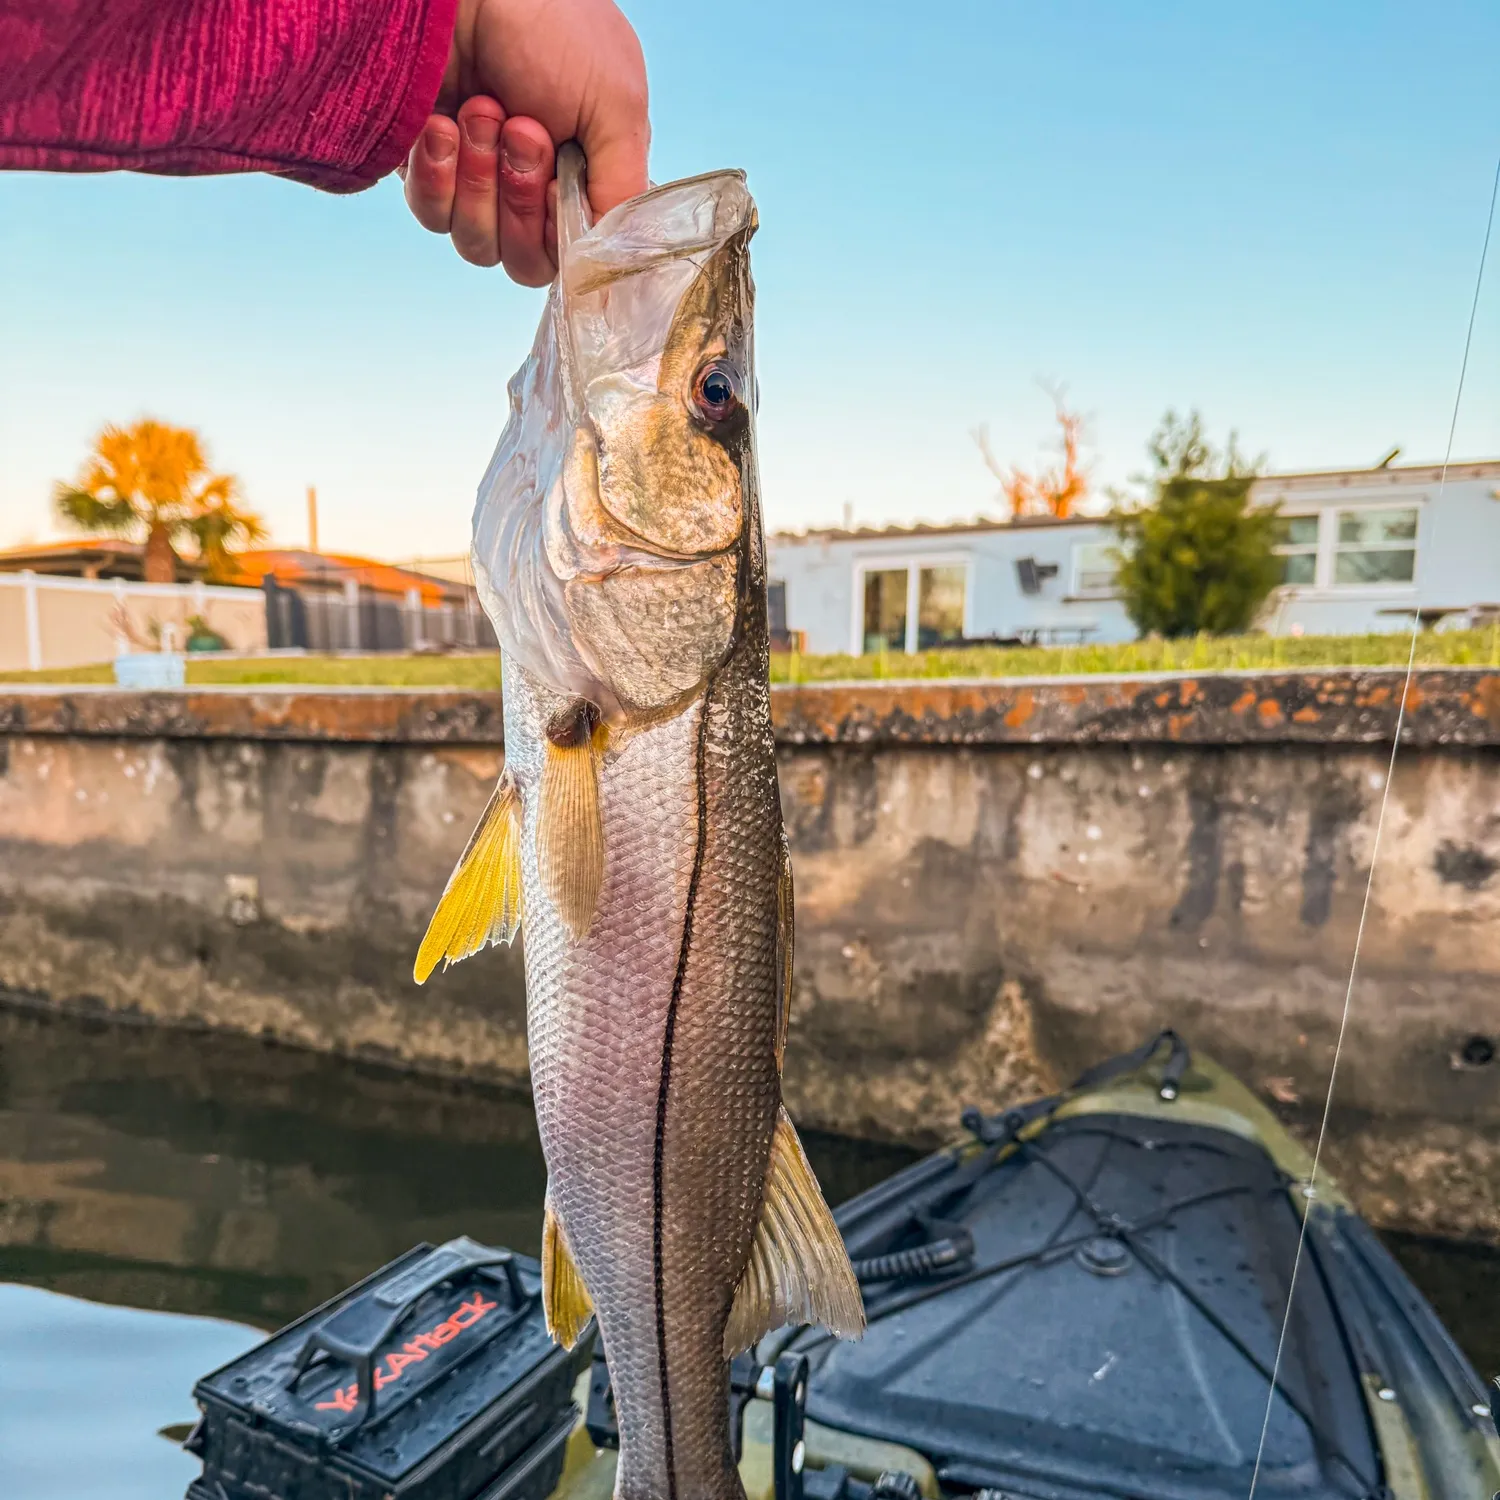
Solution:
(997, 882)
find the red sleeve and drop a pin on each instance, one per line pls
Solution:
(329, 92)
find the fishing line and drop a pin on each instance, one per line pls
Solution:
(1310, 1187)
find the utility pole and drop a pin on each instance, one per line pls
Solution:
(312, 518)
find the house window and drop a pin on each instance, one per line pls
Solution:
(1376, 546)
(776, 606)
(1297, 547)
(1094, 568)
(940, 606)
(885, 610)
(913, 608)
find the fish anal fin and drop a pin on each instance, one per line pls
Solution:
(565, 1299)
(798, 1270)
(785, 931)
(481, 903)
(570, 827)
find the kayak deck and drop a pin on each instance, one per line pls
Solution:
(1111, 1320)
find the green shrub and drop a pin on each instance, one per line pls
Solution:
(1195, 558)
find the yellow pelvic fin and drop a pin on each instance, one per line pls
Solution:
(570, 829)
(481, 903)
(565, 1299)
(799, 1270)
(785, 927)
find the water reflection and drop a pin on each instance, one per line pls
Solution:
(237, 1180)
(1462, 1281)
(226, 1177)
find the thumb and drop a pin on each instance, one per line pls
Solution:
(615, 137)
(616, 170)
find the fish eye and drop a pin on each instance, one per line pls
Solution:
(716, 391)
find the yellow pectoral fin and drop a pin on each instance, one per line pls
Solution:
(481, 903)
(799, 1270)
(570, 829)
(565, 1299)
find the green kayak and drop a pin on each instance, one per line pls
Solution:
(1084, 1299)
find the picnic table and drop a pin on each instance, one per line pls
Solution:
(1428, 615)
(1074, 634)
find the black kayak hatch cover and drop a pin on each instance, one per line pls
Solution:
(1126, 1351)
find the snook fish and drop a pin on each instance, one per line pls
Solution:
(618, 550)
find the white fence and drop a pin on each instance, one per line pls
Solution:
(359, 620)
(70, 622)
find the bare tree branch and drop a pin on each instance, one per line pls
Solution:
(981, 436)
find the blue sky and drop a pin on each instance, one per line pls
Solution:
(1272, 213)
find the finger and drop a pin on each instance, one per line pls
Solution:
(526, 161)
(476, 195)
(616, 133)
(430, 172)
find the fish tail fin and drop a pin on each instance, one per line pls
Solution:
(481, 903)
(799, 1270)
(565, 1299)
(570, 827)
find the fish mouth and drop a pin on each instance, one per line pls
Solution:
(694, 217)
(646, 525)
(645, 483)
(591, 266)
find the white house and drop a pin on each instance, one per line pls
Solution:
(1363, 549)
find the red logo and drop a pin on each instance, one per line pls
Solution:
(414, 1351)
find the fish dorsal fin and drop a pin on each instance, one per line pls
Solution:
(570, 827)
(799, 1270)
(565, 1299)
(481, 903)
(786, 923)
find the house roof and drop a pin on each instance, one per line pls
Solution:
(113, 557)
(923, 528)
(454, 568)
(88, 557)
(1405, 474)
(331, 569)
(1408, 474)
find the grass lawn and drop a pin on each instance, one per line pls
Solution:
(1449, 648)
(1454, 648)
(478, 672)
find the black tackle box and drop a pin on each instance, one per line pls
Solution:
(433, 1379)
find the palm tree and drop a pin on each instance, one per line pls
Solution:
(153, 480)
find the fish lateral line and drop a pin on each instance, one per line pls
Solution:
(664, 1084)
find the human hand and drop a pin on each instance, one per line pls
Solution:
(523, 77)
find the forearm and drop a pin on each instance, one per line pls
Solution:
(329, 92)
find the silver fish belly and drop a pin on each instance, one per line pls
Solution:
(653, 1066)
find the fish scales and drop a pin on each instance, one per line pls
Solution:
(619, 551)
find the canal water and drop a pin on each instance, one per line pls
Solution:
(165, 1197)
